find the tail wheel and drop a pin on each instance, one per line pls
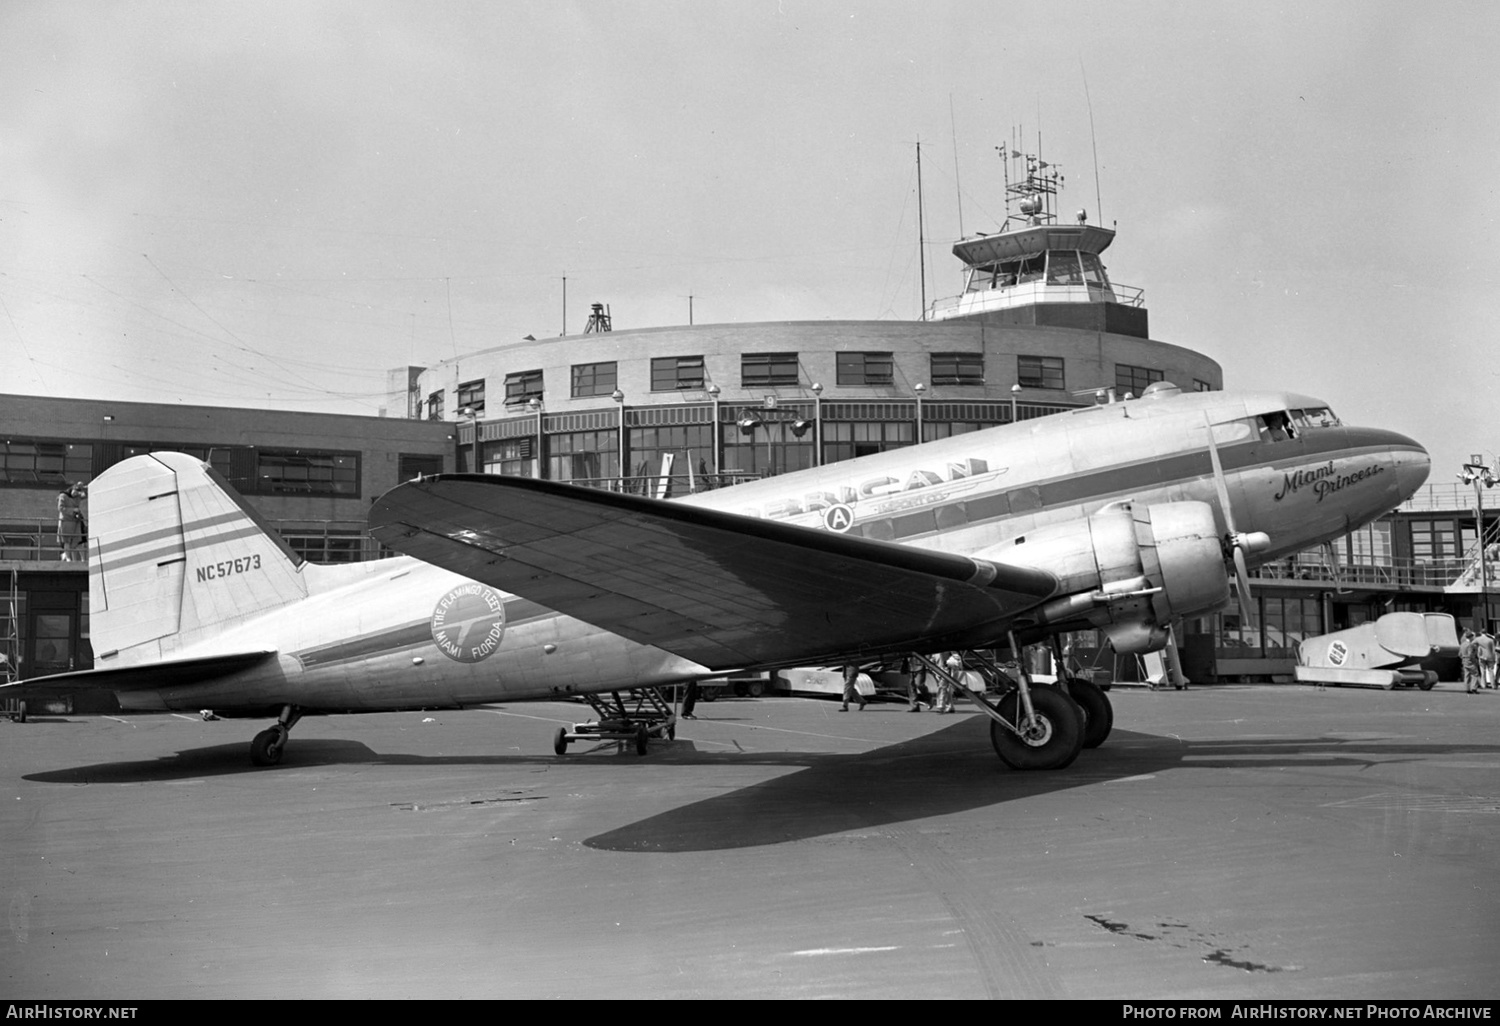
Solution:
(267, 747)
(1098, 713)
(641, 737)
(560, 741)
(1050, 739)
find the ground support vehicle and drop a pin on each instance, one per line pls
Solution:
(633, 717)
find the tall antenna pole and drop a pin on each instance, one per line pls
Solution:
(956, 187)
(921, 242)
(1098, 203)
(565, 304)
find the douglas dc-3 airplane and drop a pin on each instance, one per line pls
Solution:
(1120, 517)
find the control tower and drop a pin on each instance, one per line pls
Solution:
(1037, 271)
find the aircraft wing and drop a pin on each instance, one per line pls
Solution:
(723, 590)
(137, 677)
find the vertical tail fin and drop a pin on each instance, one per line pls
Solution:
(173, 552)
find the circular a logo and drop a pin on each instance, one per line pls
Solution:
(838, 517)
(468, 623)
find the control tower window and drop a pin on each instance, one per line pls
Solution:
(1031, 269)
(1093, 269)
(1062, 268)
(865, 369)
(435, 405)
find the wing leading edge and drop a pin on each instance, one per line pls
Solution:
(720, 589)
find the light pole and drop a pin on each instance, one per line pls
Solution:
(535, 406)
(619, 398)
(817, 391)
(1480, 475)
(713, 394)
(1015, 393)
(919, 388)
(473, 415)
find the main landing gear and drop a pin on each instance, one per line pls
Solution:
(1033, 726)
(267, 747)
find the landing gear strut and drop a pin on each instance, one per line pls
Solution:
(268, 745)
(1032, 727)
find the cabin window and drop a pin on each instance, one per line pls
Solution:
(1276, 427)
(1318, 417)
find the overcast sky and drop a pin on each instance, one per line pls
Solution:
(272, 204)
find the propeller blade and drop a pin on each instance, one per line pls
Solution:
(1242, 590)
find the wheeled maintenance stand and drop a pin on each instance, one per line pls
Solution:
(631, 716)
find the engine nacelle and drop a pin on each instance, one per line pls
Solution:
(1128, 570)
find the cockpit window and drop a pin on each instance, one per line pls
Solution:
(1277, 427)
(1315, 417)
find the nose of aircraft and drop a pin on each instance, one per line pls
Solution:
(1411, 464)
(1405, 462)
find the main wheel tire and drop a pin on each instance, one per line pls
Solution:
(641, 737)
(560, 741)
(267, 747)
(1052, 740)
(1098, 713)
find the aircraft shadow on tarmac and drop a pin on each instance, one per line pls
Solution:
(950, 770)
(955, 770)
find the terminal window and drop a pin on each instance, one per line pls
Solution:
(1040, 372)
(435, 405)
(1134, 379)
(763, 370)
(958, 368)
(307, 473)
(669, 373)
(865, 369)
(594, 379)
(44, 464)
(522, 387)
(471, 396)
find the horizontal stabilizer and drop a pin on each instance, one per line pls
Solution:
(139, 677)
(718, 588)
